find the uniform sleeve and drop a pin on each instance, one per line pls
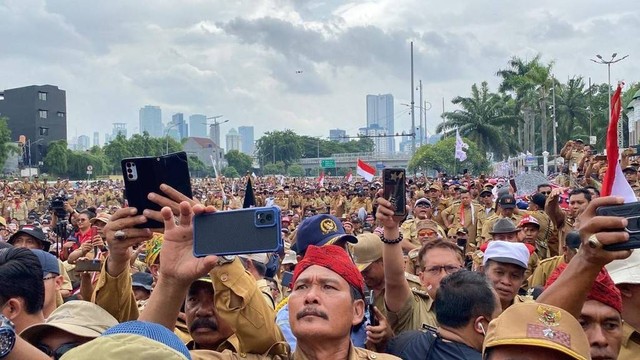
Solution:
(240, 303)
(115, 295)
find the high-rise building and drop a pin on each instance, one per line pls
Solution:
(118, 128)
(83, 143)
(198, 125)
(246, 139)
(380, 144)
(233, 140)
(96, 138)
(380, 113)
(177, 120)
(338, 135)
(151, 120)
(214, 133)
(39, 113)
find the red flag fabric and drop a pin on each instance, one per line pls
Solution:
(614, 181)
(365, 170)
(321, 179)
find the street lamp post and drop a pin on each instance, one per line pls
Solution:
(215, 127)
(608, 63)
(167, 135)
(413, 116)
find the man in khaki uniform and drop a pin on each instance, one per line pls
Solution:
(506, 207)
(438, 204)
(462, 215)
(338, 202)
(547, 266)
(421, 211)
(281, 199)
(322, 202)
(573, 152)
(536, 209)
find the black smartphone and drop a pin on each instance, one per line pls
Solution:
(287, 276)
(370, 300)
(631, 212)
(91, 265)
(395, 189)
(144, 175)
(243, 231)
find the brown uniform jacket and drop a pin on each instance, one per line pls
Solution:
(630, 343)
(354, 354)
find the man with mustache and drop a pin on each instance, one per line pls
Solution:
(326, 301)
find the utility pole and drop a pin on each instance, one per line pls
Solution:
(555, 125)
(413, 115)
(421, 134)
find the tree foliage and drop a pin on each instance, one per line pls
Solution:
(230, 172)
(441, 157)
(240, 161)
(6, 147)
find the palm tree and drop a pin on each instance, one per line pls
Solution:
(486, 119)
(572, 110)
(530, 82)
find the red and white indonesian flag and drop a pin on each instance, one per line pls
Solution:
(614, 183)
(349, 177)
(365, 170)
(321, 179)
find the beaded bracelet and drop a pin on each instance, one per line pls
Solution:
(391, 241)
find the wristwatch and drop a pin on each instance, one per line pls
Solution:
(226, 259)
(7, 336)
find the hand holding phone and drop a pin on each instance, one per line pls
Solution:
(395, 189)
(370, 300)
(630, 211)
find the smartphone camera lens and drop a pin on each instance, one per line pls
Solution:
(269, 217)
(128, 165)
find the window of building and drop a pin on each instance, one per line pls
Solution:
(42, 95)
(43, 114)
(60, 114)
(44, 131)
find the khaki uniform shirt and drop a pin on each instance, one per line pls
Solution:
(630, 349)
(408, 230)
(438, 209)
(354, 354)
(322, 204)
(417, 311)
(338, 204)
(282, 203)
(545, 268)
(545, 233)
(483, 215)
(470, 220)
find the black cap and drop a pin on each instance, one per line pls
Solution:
(630, 169)
(507, 202)
(573, 240)
(539, 199)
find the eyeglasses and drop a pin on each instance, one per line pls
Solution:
(59, 351)
(49, 277)
(545, 192)
(423, 205)
(427, 233)
(449, 269)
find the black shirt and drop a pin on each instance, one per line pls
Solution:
(428, 345)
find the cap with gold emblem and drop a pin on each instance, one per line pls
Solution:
(367, 250)
(538, 325)
(319, 230)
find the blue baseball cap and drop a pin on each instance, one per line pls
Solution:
(48, 262)
(151, 331)
(319, 230)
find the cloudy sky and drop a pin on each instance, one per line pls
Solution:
(305, 65)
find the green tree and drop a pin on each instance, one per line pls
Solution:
(116, 150)
(530, 82)
(284, 146)
(295, 170)
(230, 172)
(572, 111)
(57, 158)
(274, 169)
(240, 161)
(441, 157)
(483, 118)
(6, 146)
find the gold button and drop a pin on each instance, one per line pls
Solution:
(243, 355)
(372, 356)
(224, 277)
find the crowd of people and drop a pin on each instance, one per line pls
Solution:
(475, 270)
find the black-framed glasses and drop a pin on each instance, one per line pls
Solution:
(59, 351)
(545, 192)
